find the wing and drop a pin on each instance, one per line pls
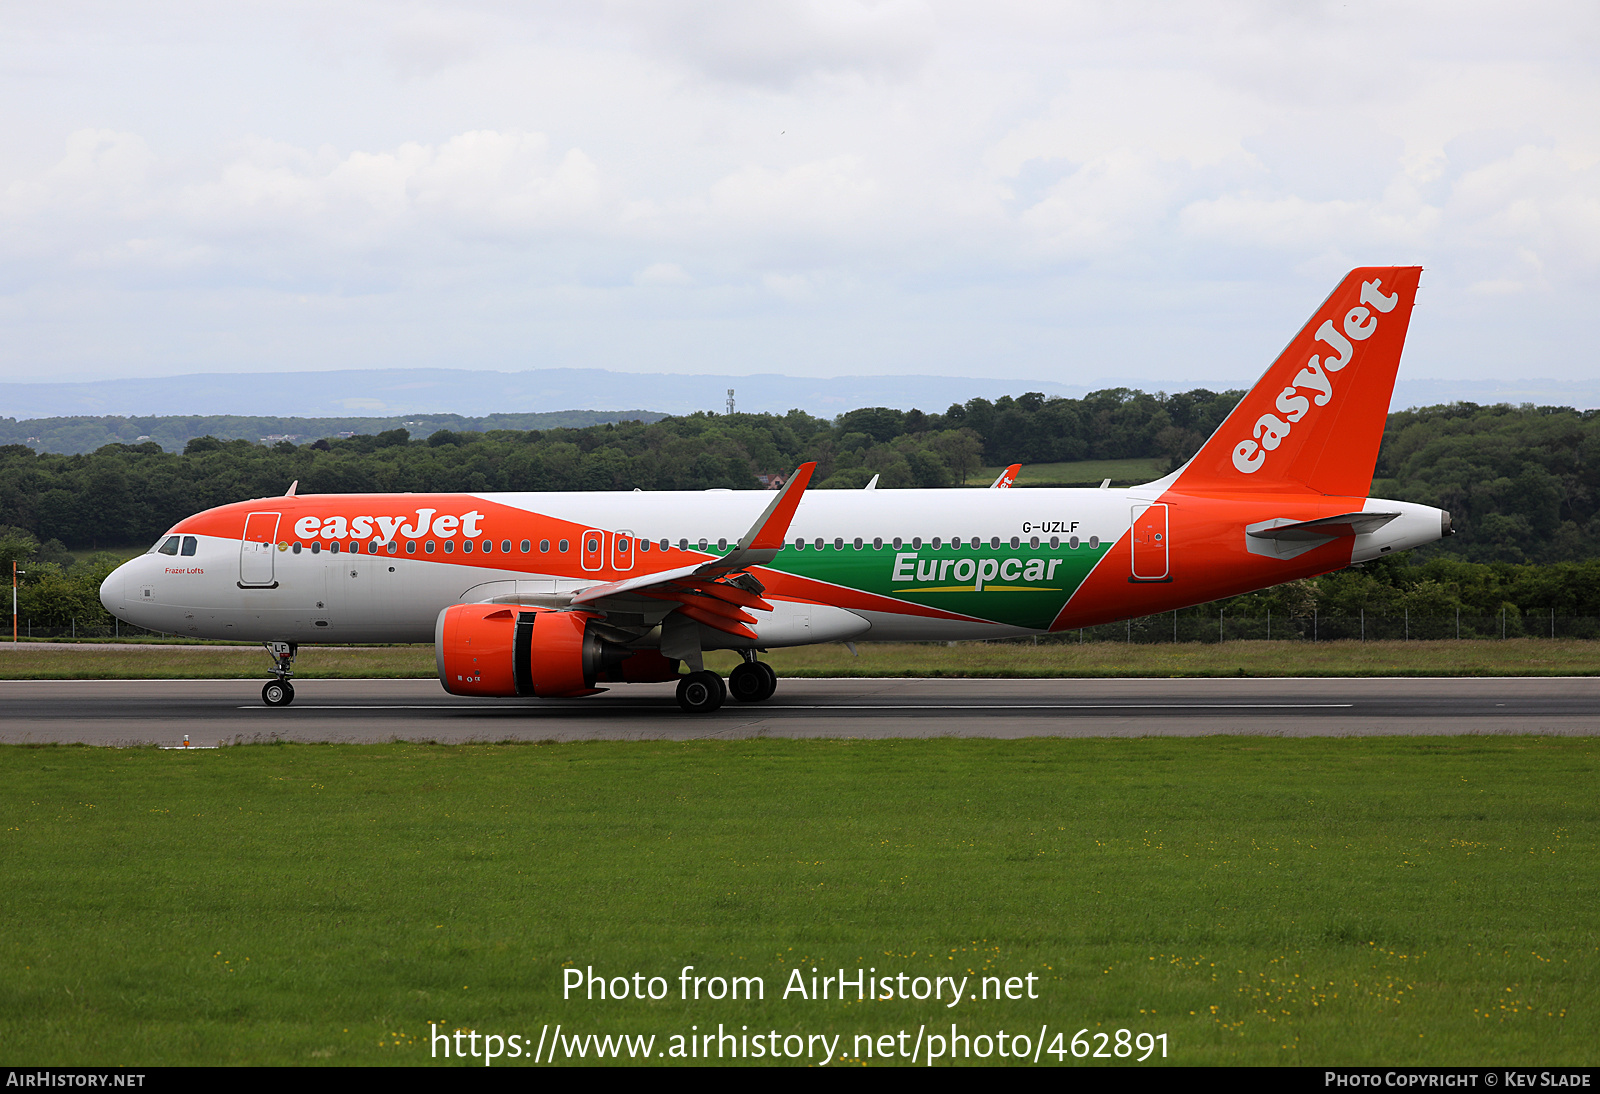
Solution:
(714, 593)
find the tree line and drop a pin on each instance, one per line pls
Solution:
(1522, 483)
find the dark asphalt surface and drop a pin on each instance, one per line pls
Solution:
(137, 712)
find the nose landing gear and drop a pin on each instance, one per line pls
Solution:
(279, 692)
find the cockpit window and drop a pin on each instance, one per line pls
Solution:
(170, 547)
(189, 545)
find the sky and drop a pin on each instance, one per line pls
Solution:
(1083, 193)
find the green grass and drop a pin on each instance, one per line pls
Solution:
(1079, 473)
(1512, 657)
(1260, 901)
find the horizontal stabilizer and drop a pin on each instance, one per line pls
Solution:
(1285, 538)
(1345, 524)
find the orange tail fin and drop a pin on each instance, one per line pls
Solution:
(1315, 418)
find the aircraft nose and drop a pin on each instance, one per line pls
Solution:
(111, 590)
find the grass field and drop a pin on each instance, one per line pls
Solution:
(1080, 473)
(1261, 901)
(1512, 657)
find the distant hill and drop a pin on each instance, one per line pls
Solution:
(412, 393)
(85, 434)
(415, 394)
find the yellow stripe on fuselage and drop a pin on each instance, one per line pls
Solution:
(973, 588)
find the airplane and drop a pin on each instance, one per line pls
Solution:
(553, 595)
(1007, 478)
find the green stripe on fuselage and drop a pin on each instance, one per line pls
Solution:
(1019, 586)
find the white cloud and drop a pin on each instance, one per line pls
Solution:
(778, 42)
(663, 274)
(927, 183)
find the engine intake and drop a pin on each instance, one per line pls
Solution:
(495, 650)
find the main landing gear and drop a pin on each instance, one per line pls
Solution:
(701, 692)
(279, 692)
(752, 682)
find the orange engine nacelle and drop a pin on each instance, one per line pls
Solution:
(495, 650)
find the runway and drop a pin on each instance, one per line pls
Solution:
(213, 712)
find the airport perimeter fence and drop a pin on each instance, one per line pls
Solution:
(1187, 625)
(1216, 625)
(84, 631)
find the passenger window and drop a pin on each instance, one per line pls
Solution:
(838, 544)
(189, 545)
(857, 543)
(170, 547)
(877, 544)
(1094, 543)
(333, 547)
(449, 546)
(544, 546)
(466, 546)
(295, 547)
(428, 547)
(565, 546)
(411, 546)
(505, 547)
(799, 543)
(644, 545)
(316, 547)
(1073, 543)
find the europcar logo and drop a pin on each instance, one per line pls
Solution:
(385, 529)
(1317, 377)
(973, 575)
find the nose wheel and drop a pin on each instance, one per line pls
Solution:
(752, 682)
(279, 692)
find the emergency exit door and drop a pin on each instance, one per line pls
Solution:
(592, 549)
(1151, 543)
